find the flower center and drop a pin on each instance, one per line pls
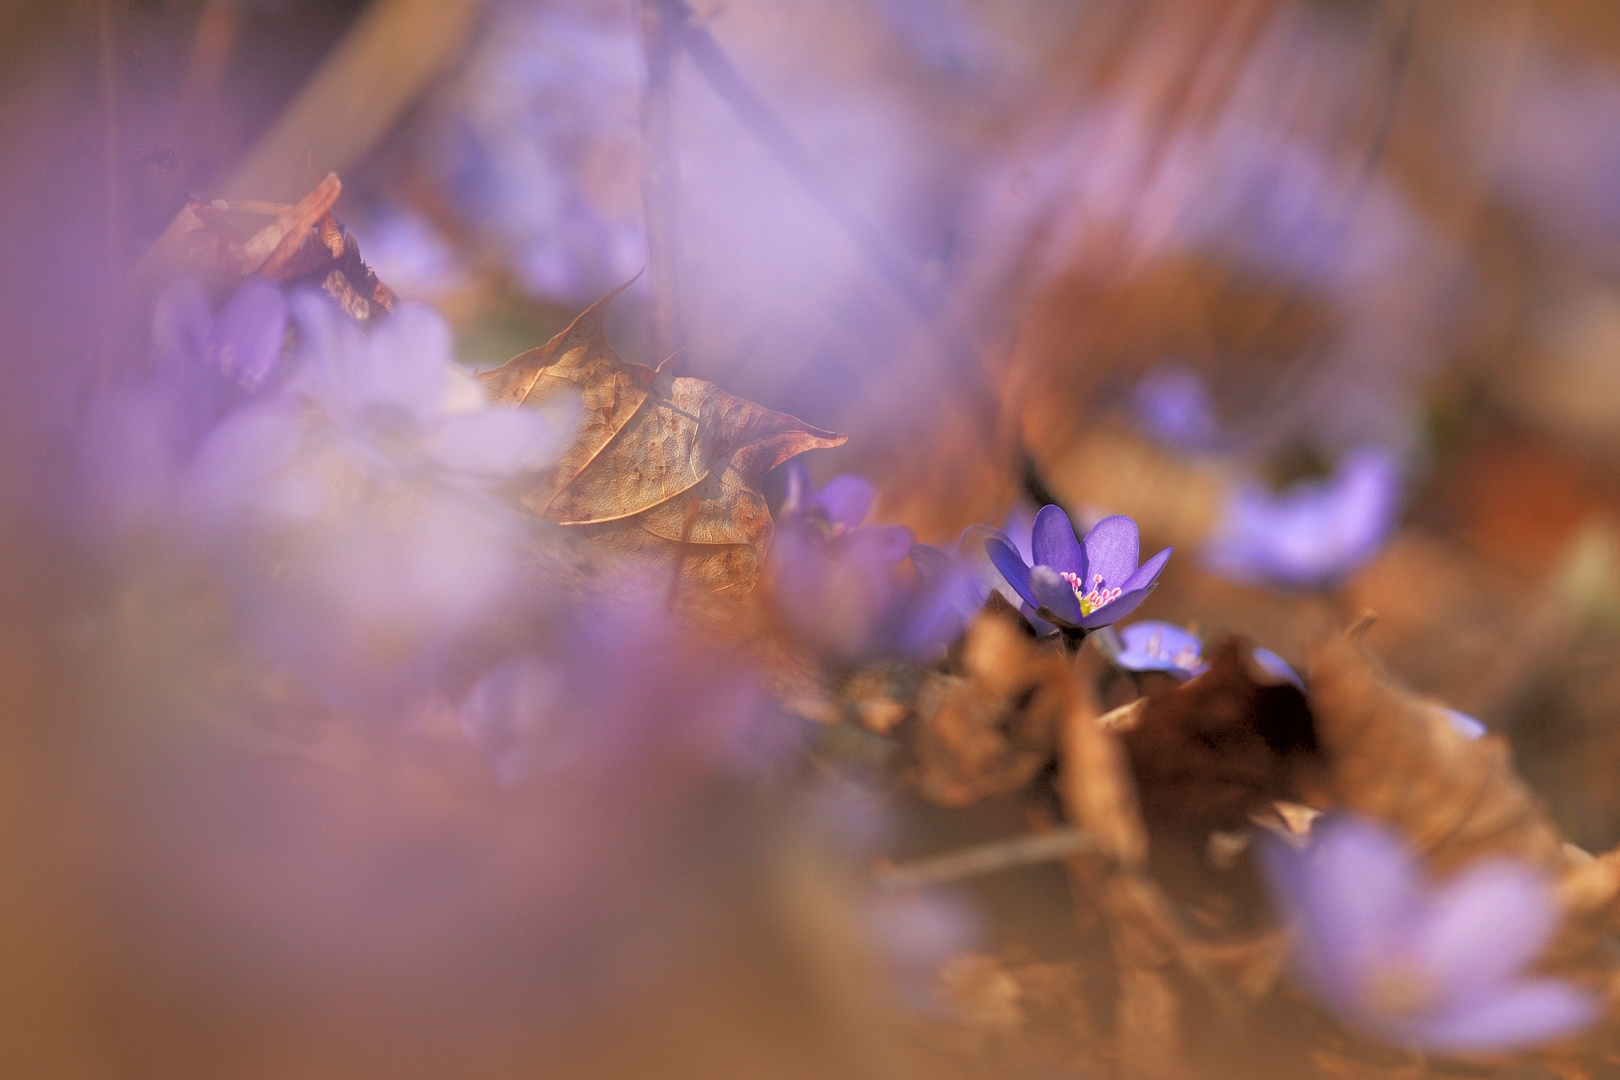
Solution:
(1399, 990)
(1095, 598)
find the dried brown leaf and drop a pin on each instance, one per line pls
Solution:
(664, 468)
(222, 244)
(992, 728)
(1207, 754)
(1398, 759)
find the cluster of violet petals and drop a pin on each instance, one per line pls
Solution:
(1160, 646)
(1074, 584)
(1436, 967)
(837, 581)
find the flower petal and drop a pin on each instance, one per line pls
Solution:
(845, 500)
(1054, 545)
(1353, 892)
(1055, 596)
(498, 443)
(247, 336)
(1278, 668)
(1019, 527)
(877, 543)
(1112, 548)
(932, 564)
(1146, 574)
(1465, 725)
(1005, 557)
(1484, 926)
(1156, 646)
(1528, 1013)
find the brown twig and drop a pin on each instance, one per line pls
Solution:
(988, 859)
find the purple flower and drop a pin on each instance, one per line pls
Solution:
(354, 514)
(839, 583)
(1172, 404)
(627, 686)
(1439, 967)
(838, 507)
(1079, 586)
(1159, 646)
(1278, 668)
(140, 433)
(1313, 533)
(1464, 725)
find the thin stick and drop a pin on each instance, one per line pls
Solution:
(797, 161)
(660, 179)
(989, 859)
(892, 263)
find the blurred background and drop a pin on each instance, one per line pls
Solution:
(1326, 293)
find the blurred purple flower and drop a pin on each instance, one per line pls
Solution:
(839, 506)
(630, 684)
(1438, 967)
(537, 142)
(354, 512)
(839, 583)
(1079, 586)
(1313, 533)
(1172, 404)
(1464, 725)
(139, 434)
(1159, 646)
(1162, 646)
(1278, 668)
(967, 570)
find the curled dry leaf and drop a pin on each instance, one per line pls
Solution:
(991, 728)
(1207, 754)
(1398, 759)
(222, 244)
(664, 468)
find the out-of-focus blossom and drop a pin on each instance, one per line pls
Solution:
(354, 513)
(1172, 404)
(1465, 725)
(1257, 188)
(967, 567)
(1079, 586)
(1162, 646)
(838, 507)
(1278, 668)
(405, 250)
(538, 143)
(629, 684)
(139, 433)
(1314, 532)
(1438, 967)
(1159, 646)
(839, 583)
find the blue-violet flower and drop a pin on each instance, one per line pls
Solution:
(1313, 533)
(1437, 967)
(1075, 585)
